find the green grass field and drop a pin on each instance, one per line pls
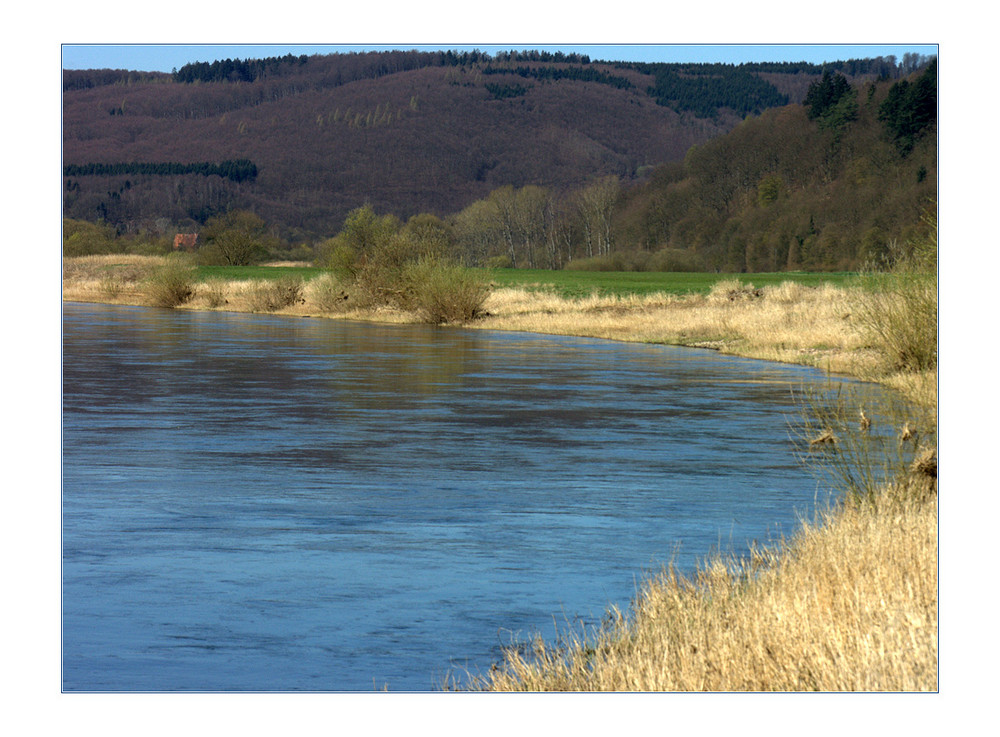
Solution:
(567, 283)
(241, 273)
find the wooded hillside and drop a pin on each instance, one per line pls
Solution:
(408, 132)
(829, 184)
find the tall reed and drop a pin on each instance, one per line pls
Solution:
(897, 305)
(864, 451)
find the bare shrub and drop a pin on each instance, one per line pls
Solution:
(444, 292)
(382, 275)
(341, 259)
(675, 259)
(329, 294)
(172, 284)
(265, 295)
(499, 262)
(591, 263)
(666, 259)
(111, 286)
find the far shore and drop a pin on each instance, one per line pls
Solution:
(788, 323)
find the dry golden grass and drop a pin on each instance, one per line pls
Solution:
(130, 266)
(115, 279)
(789, 323)
(848, 604)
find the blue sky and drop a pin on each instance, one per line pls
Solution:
(165, 57)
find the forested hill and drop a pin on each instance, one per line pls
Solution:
(301, 141)
(828, 184)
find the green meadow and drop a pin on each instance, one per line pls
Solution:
(621, 283)
(571, 283)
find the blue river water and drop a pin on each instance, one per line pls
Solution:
(259, 503)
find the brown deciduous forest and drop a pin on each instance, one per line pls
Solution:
(523, 159)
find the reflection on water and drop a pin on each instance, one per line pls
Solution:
(264, 503)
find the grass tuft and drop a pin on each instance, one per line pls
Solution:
(863, 452)
(897, 305)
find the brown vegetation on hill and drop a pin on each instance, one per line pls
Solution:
(539, 165)
(430, 139)
(404, 131)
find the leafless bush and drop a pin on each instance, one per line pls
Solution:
(172, 284)
(444, 292)
(265, 295)
(329, 294)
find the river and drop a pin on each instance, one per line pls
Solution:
(261, 503)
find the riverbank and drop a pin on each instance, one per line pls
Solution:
(789, 323)
(848, 603)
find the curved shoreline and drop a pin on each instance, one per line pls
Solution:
(805, 326)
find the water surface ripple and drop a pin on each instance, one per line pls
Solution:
(265, 503)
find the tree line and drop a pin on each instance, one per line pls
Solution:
(236, 170)
(85, 79)
(249, 70)
(825, 185)
(377, 64)
(234, 70)
(911, 108)
(882, 67)
(699, 88)
(703, 94)
(553, 74)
